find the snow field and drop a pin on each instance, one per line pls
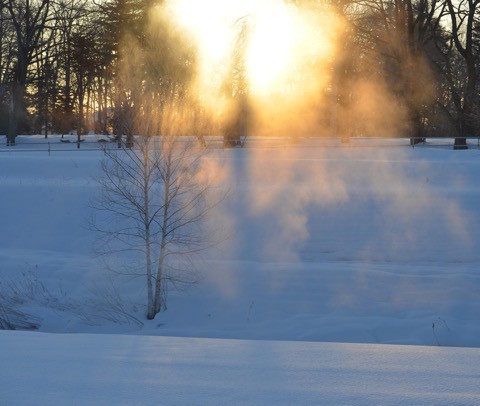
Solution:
(373, 245)
(79, 369)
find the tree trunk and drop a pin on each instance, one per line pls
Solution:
(16, 112)
(159, 300)
(148, 248)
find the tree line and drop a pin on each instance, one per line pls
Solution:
(62, 68)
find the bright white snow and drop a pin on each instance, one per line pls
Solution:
(360, 244)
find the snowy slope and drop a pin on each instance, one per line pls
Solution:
(366, 244)
(78, 369)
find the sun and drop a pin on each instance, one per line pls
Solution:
(272, 45)
(281, 39)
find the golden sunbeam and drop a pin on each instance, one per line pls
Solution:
(282, 38)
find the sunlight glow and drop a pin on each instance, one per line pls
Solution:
(281, 38)
(266, 61)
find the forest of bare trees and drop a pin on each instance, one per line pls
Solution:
(74, 66)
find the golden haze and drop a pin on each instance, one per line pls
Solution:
(286, 57)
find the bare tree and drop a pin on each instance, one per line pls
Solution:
(236, 86)
(154, 205)
(7, 51)
(29, 19)
(71, 53)
(394, 36)
(465, 23)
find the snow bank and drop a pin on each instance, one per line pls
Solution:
(79, 369)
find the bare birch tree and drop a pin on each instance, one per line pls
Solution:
(154, 205)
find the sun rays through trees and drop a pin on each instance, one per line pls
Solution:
(266, 67)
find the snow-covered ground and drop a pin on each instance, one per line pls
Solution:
(326, 242)
(79, 369)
